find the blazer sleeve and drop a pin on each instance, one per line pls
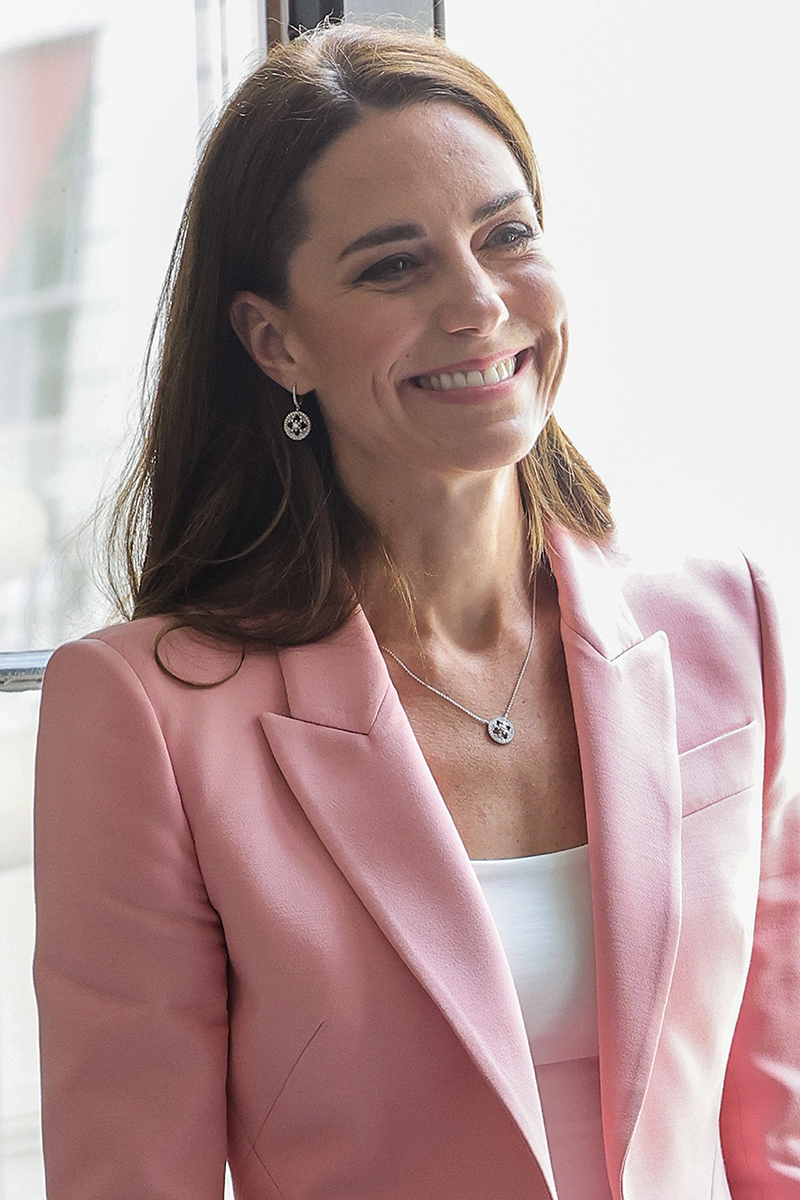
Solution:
(130, 961)
(761, 1100)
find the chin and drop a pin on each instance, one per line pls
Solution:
(492, 453)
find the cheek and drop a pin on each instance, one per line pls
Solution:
(344, 340)
(322, 338)
(543, 298)
(363, 346)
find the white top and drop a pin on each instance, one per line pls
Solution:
(542, 907)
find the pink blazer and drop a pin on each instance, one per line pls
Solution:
(259, 933)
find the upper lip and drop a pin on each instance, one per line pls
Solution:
(471, 364)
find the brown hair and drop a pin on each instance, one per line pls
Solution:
(225, 524)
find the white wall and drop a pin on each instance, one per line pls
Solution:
(667, 136)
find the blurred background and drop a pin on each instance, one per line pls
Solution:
(667, 137)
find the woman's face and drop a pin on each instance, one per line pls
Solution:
(423, 310)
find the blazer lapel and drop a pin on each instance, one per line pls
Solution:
(350, 757)
(624, 703)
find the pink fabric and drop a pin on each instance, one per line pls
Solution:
(542, 909)
(254, 909)
(570, 1093)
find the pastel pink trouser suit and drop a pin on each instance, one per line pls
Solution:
(259, 934)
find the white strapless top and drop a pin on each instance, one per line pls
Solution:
(542, 908)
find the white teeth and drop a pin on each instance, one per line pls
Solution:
(459, 379)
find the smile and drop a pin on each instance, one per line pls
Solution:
(447, 380)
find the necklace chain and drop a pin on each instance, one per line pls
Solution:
(500, 729)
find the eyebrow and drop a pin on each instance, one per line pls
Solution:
(386, 233)
(408, 233)
(502, 202)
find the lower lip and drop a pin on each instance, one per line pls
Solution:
(483, 394)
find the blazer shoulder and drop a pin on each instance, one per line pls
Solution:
(698, 587)
(710, 607)
(176, 666)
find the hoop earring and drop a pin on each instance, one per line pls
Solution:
(296, 424)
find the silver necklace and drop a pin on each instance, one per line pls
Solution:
(499, 729)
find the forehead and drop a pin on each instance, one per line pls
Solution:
(407, 164)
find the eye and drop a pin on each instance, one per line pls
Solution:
(396, 266)
(513, 233)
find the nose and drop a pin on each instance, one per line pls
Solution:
(470, 300)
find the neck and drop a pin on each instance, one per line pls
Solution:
(462, 548)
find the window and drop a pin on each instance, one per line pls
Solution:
(100, 113)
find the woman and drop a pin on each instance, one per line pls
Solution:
(331, 836)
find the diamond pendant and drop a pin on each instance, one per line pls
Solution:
(500, 730)
(297, 425)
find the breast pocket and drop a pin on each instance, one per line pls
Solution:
(721, 768)
(720, 855)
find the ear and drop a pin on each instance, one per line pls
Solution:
(259, 325)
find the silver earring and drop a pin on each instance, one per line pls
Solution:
(296, 424)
